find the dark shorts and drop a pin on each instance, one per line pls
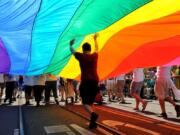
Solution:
(28, 89)
(88, 91)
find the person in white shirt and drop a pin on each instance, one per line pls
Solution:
(61, 87)
(39, 86)
(69, 90)
(28, 86)
(10, 81)
(51, 84)
(2, 85)
(120, 82)
(162, 89)
(110, 86)
(136, 86)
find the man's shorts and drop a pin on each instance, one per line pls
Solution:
(136, 87)
(88, 90)
(28, 89)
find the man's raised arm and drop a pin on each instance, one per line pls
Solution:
(96, 43)
(71, 46)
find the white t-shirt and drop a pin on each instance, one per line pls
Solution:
(1, 78)
(39, 80)
(28, 80)
(10, 78)
(138, 75)
(121, 77)
(163, 72)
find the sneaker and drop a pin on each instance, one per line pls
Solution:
(177, 108)
(144, 106)
(164, 115)
(93, 123)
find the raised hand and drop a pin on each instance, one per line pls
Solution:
(96, 35)
(71, 42)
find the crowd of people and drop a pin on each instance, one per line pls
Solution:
(162, 83)
(141, 84)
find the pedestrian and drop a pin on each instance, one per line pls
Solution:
(2, 85)
(51, 85)
(89, 77)
(110, 86)
(120, 82)
(75, 83)
(61, 82)
(20, 86)
(69, 91)
(162, 89)
(28, 87)
(136, 86)
(39, 86)
(10, 83)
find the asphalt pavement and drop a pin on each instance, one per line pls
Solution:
(115, 118)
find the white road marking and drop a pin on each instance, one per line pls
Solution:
(57, 129)
(16, 132)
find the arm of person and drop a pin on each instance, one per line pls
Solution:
(96, 43)
(71, 46)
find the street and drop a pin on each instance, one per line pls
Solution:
(114, 118)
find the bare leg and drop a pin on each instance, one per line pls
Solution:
(109, 92)
(138, 100)
(169, 99)
(93, 115)
(162, 105)
(89, 108)
(62, 93)
(122, 97)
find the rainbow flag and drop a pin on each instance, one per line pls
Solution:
(35, 35)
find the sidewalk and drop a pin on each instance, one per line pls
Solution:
(152, 110)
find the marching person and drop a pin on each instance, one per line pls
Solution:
(89, 77)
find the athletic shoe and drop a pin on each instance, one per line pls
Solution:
(92, 123)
